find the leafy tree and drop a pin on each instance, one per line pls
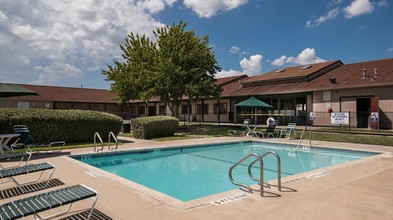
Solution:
(178, 64)
(129, 76)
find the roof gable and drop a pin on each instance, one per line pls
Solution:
(292, 74)
(230, 79)
(378, 73)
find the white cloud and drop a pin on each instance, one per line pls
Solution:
(155, 6)
(358, 7)
(209, 8)
(307, 56)
(225, 73)
(332, 14)
(59, 35)
(389, 49)
(55, 72)
(279, 61)
(382, 3)
(3, 17)
(251, 67)
(333, 3)
(235, 50)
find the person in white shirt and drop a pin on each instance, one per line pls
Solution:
(270, 120)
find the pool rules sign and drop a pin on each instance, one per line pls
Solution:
(339, 118)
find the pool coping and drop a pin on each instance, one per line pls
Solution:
(224, 197)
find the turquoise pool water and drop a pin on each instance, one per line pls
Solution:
(188, 173)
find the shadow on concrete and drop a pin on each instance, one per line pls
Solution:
(97, 215)
(17, 191)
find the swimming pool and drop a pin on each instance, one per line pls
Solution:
(188, 173)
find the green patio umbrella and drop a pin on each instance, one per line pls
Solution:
(9, 90)
(252, 102)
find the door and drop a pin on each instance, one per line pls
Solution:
(363, 110)
(152, 111)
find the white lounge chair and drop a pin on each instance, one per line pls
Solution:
(289, 130)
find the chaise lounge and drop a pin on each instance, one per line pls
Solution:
(45, 201)
(288, 131)
(13, 155)
(12, 172)
(26, 139)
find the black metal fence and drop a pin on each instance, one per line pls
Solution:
(356, 120)
(322, 119)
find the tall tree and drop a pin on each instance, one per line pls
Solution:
(129, 76)
(179, 64)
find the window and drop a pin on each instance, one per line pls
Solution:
(162, 110)
(203, 109)
(306, 67)
(23, 105)
(141, 110)
(326, 95)
(223, 108)
(184, 109)
(279, 71)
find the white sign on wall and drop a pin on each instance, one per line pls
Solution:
(374, 117)
(312, 116)
(339, 118)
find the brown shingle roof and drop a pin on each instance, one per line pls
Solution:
(67, 94)
(230, 79)
(347, 76)
(350, 76)
(230, 84)
(296, 73)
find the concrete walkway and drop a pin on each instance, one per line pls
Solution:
(356, 190)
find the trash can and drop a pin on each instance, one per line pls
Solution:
(126, 128)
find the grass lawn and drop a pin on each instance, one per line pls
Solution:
(194, 130)
(352, 138)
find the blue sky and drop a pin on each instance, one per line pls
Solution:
(68, 43)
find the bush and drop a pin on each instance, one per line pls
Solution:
(61, 125)
(154, 126)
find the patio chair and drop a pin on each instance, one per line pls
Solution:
(243, 130)
(288, 131)
(12, 172)
(45, 201)
(270, 131)
(26, 139)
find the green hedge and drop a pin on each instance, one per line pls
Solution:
(154, 126)
(61, 125)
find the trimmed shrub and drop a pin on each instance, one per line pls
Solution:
(154, 126)
(61, 125)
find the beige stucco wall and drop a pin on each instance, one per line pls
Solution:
(348, 103)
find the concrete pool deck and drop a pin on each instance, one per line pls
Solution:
(356, 190)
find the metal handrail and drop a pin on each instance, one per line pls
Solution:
(109, 141)
(95, 140)
(260, 172)
(278, 170)
(301, 138)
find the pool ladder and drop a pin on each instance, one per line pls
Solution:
(110, 135)
(259, 158)
(301, 138)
